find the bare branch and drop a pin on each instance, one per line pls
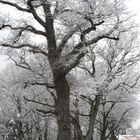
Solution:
(74, 30)
(53, 95)
(32, 10)
(17, 46)
(25, 66)
(117, 125)
(26, 28)
(92, 28)
(14, 5)
(33, 30)
(46, 112)
(134, 84)
(98, 38)
(80, 114)
(72, 60)
(38, 51)
(34, 48)
(87, 70)
(37, 102)
(110, 109)
(79, 50)
(66, 38)
(39, 83)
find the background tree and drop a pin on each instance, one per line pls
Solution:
(21, 116)
(114, 76)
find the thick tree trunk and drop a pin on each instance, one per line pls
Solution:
(103, 135)
(60, 82)
(62, 108)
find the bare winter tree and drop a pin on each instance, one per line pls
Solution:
(19, 116)
(110, 74)
(58, 24)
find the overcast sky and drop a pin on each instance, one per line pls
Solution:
(134, 6)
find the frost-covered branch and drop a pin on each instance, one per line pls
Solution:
(38, 102)
(32, 48)
(14, 5)
(23, 28)
(34, 13)
(39, 83)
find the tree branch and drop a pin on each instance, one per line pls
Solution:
(26, 28)
(14, 5)
(80, 50)
(98, 38)
(37, 102)
(38, 83)
(46, 112)
(74, 30)
(92, 28)
(119, 121)
(32, 10)
(66, 38)
(25, 66)
(34, 49)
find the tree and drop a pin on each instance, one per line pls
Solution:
(19, 118)
(59, 22)
(113, 75)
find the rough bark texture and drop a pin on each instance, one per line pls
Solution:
(61, 85)
(62, 91)
(62, 107)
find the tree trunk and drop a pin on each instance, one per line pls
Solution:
(60, 82)
(62, 108)
(113, 136)
(104, 128)
(103, 135)
(93, 114)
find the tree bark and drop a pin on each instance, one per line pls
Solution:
(113, 136)
(60, 82)
(62, 108)
(103, 135)
(62, 91)
(93, 114)
(104, 128)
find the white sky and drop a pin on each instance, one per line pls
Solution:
(134, 6)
